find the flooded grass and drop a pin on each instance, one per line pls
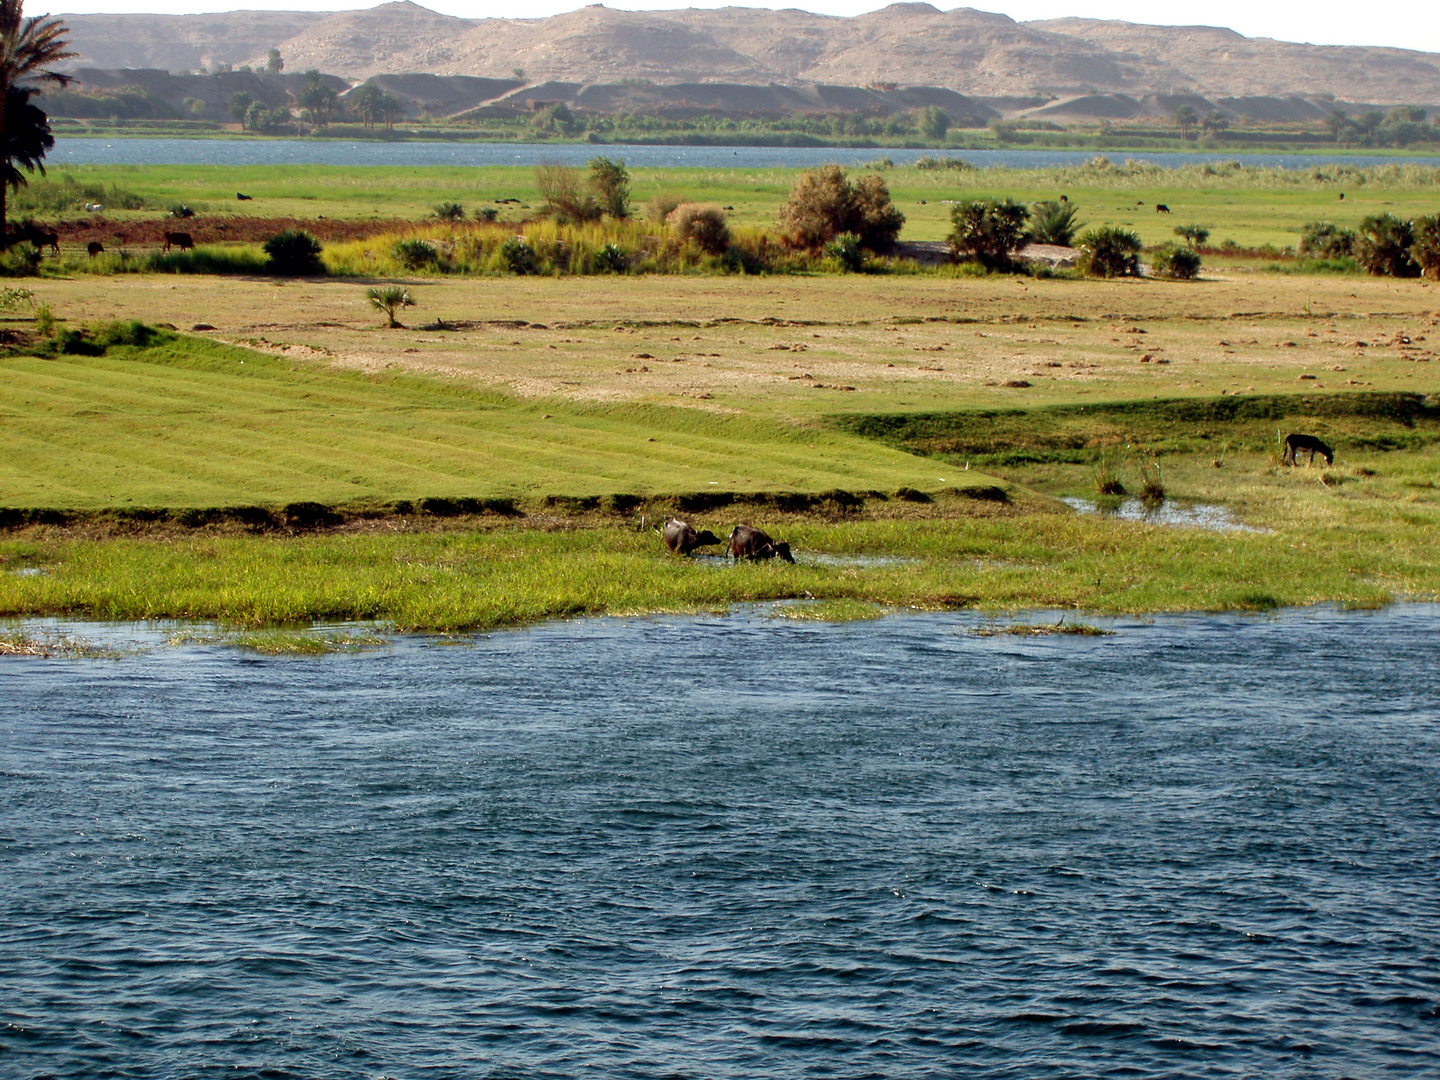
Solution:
(53, 646)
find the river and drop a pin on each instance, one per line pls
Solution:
(415, 154)
(726, 847)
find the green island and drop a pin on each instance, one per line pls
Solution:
(195, 435)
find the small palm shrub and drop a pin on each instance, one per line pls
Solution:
(612, 258)
(415, 254)
(294, 253)
(1322, 240)
(487, 213)
(390, 299)
(1053, 223)
(1383, 246)
(988, 231)
(1426, 249)
(1175, 261)
(703, 224)
(450, 211)
(517, 255)
(845, 249)
(1194, 235)
(1110, 252)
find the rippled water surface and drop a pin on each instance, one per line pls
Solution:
(732, 847)
(89, 151)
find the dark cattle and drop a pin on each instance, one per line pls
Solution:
(1342, 196)
(1307, 442)
(1064, 198)
(94, 247)
(748, 543)
(182, 240)
(681, 537)
(1161, 208)
(243, 197)
(41, 238)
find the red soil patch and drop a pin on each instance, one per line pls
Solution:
(214, 229)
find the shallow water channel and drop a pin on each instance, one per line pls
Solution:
(732, 847)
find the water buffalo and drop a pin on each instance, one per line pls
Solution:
(182, 240)
(748, 543)
(1306, 442)
(242, 197)
(1161, 208)
(681, 537)
(94, 247)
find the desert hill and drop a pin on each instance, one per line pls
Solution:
(970, 52)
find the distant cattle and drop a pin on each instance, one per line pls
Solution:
(182, 240)
(1161, 208)
(94, 247)
(94, 208)
(681, 537)
(243, 197)
(749, 543)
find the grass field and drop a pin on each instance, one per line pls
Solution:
(549, 392)
(1251, 206)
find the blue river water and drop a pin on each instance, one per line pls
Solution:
(727, 847)
(86, 151)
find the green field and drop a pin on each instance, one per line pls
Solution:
(1252, 206)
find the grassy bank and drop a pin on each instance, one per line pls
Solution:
(510, 575)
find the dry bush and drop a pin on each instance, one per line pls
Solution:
(701, 223)
(824, 203)
(566, 193)
(662, 206)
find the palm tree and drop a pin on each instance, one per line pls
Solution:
(390, 299)
(28, 48)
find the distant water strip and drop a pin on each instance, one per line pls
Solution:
(85, 151)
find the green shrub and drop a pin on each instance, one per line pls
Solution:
(702, 224)
(487, 213)
(10, 299)
(824, 203)
(1194, 235)
(988, 231)
(200, 260)
(1175, 261)
(294, 253)
(1383, 247)
(936, 164)
(518, 256)
(845, 249)
(415, 254)
(610, 181)
(181, 210)
(1322, 240)
(1054, 223)
(613, 259)
(450, 211)
(1426, 249)
(21, 260)
(97, 340)
(1110, 252)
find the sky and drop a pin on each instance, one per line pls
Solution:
(1408, 24)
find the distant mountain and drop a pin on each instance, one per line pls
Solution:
(967, 51)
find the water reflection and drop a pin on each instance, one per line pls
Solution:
(1181, 515)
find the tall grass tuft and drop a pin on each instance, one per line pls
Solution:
(1152, 485)
(1106, 474)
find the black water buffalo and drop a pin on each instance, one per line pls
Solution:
(182, 240)
(748, 543)
(242, 197)
(681, 537)
(93, 248)
(1307, 442)
(1161, 208)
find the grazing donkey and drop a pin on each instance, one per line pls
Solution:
(1296, 442)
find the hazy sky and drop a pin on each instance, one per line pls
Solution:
(1410, 24)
